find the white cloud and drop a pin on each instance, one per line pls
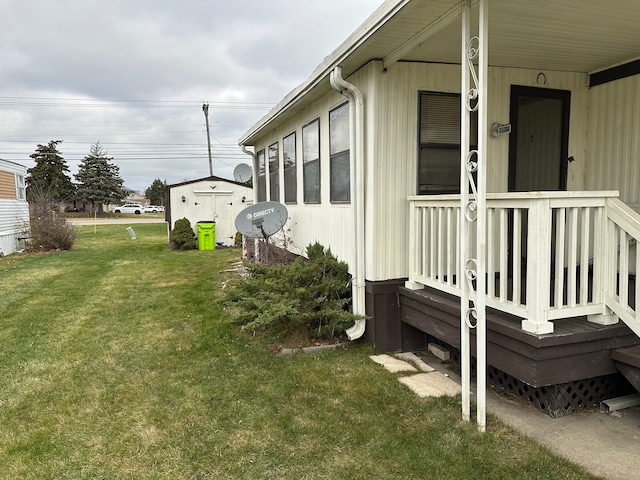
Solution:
(143, 69)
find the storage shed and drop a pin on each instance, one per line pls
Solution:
(208, 199)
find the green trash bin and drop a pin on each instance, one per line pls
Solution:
(206, 235)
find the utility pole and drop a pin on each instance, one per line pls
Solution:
(205, 109)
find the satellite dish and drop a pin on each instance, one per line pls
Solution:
(262, 219)
(242, 173)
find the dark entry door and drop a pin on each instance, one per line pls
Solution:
(538, 143)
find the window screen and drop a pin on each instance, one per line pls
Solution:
(274, 173)
(20, 188)
(311, 161)
(289, 160)
(439, 158)
(262, 179)
(340, 182)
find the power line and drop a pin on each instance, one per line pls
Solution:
(114, 103)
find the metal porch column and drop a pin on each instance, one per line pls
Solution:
(473, 207)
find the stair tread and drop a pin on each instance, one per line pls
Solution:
(628, 355)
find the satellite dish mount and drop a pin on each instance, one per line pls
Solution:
(262, 220)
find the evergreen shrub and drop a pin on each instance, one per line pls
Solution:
(182, 236)
(306, 297)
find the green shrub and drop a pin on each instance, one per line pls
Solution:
(182, 236)
(310, 297)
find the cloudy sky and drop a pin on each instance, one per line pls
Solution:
(134, 74)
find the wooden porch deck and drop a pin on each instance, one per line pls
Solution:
(576, 350)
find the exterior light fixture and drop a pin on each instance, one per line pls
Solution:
(183, 199)
(498, 129)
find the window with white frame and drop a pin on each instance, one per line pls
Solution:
(262, 179)
(311, 161)
(339, 174)
(274, 173)
(20, 188)
(289, 161)
(439, 143)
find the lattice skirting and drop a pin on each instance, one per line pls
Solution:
(554, 400)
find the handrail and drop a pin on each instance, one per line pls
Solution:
(623, 232)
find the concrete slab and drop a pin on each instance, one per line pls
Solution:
(606, 444)
(416, 360)
(393, 364)
(433, 384)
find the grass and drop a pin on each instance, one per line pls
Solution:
(118, 362)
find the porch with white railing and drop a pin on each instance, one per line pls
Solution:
(550, 255)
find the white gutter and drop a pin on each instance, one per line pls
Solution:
(356, 131)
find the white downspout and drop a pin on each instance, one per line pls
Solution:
(356, 114)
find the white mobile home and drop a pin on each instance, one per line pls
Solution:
(208, 199)
(537, 104)
(14, 209)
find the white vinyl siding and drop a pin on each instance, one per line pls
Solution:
(614, 143)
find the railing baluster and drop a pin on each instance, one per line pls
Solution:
(424, 243)
(490, 253)
(515, 260)
(636, 298)
(599, 261)
(560, 249)
(433, 244)
(504, 251)
(458, 246)
(450, 246)
(572, 257)
(624, 268)
(584, 251)
(441, 246)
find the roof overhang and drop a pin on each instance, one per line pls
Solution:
(585, 36)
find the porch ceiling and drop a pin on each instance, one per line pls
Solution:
(564, 35)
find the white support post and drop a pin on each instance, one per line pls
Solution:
(539, 268)
(481, 292)
(473, 207)
(414, 235)
(603, 267)
(465, 125)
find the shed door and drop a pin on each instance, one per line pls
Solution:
(538, 143)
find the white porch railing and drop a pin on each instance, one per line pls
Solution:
(550, 255)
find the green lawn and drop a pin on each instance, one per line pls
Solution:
(118, 362)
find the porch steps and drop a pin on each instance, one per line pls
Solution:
(627, 360)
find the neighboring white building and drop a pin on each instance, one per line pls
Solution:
(208, 199)
(14, 209)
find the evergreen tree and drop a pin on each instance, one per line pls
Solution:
(98, 180)
(155, 192)
(49, 176)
